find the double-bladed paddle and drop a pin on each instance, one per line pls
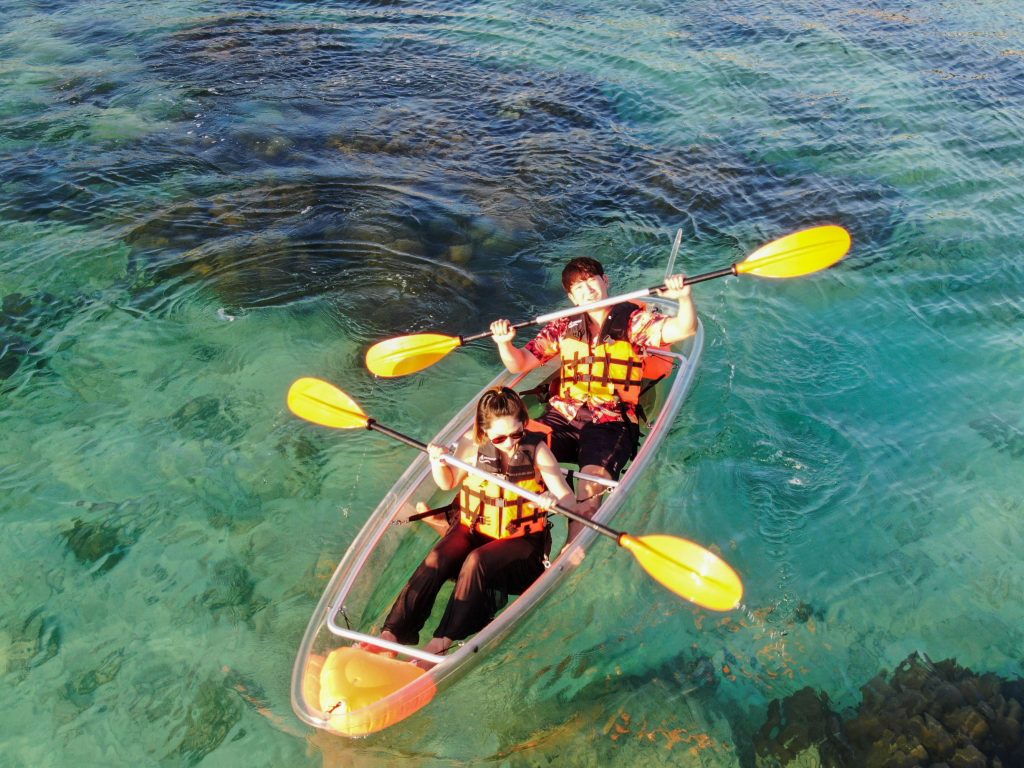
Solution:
(796, 254)
(685, 568)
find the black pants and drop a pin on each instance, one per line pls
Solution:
(483, 568)
(610, 444)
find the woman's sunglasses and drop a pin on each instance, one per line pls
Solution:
(517, 435)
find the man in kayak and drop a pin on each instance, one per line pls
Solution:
(500, 541)
(592, 415)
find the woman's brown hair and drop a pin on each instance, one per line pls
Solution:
(493, 404)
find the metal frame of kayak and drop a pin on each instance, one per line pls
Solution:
(326, 632)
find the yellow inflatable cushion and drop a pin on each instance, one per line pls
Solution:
(353, 678)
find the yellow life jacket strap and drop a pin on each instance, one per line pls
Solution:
(476, 503)
(633, 376)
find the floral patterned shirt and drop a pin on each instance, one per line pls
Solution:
(645, 330)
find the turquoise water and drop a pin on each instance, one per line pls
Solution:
(201, 203)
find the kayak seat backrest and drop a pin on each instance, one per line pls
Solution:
(657, 367)
(538, 426)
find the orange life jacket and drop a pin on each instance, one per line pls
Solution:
(614, 369)
(493, 511)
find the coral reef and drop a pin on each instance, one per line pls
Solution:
(926, 714)
(801, 730)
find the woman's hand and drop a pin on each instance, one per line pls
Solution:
(443, 474)
(549, 501)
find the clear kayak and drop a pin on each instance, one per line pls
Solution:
(342, 688)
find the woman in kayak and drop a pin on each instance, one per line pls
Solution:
(500, 541)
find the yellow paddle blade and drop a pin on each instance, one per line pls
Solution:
(800, 253)
(323, 403)
(687, 569)
(408, 354)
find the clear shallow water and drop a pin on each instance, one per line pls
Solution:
(200, 204)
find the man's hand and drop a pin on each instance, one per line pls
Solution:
(502, 331)
(674, 287)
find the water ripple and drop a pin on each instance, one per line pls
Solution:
(199, 203)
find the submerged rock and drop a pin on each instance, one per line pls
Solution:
(232, 591)
(800, 727)
(79, 693)
(208, 417)
(1003, 434)
(804, 612)
(12, 352)
(23, 320)
(103, 673)
(925, 714)
(304, 451)
(214, 712)
(98, 542)
(37, 641)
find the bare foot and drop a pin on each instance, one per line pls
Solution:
(575, 554)
(438, 646)
(371, 648)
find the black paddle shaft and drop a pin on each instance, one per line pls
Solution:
(373, 425)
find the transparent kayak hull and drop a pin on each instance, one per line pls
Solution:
(387, 550)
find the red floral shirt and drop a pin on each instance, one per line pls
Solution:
(645, 328)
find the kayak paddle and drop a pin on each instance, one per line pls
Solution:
(796, 254)
(683, 567)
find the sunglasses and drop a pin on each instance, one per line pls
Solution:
(517, 435)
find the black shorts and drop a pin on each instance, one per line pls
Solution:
(584, 443)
